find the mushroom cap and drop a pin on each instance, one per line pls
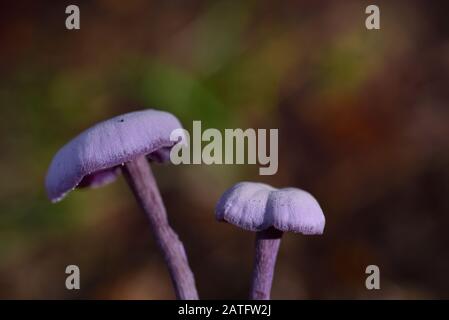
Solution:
(257, 206)
(92, 159)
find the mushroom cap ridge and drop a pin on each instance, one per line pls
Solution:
(257, 206)
(92, 158)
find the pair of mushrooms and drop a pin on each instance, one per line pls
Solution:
(126, 143)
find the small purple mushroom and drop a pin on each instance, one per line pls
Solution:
(96, 156)
(270, 212)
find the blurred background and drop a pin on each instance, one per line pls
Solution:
(363, 125)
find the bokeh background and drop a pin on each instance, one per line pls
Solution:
(363, 125)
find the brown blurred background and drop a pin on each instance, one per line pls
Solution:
(363, 125)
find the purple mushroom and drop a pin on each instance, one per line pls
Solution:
(124, 143)
(270, 212)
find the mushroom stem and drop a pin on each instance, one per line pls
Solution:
(267, 247)
(140, 178)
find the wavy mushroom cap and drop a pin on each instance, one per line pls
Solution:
(93, 158)
(257, 206)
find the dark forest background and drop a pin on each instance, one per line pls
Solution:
(363, 125)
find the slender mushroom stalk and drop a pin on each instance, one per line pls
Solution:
(140, 178)
(267, 247)
(269, 212)
(93, 159)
